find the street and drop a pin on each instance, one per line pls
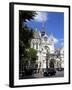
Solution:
(58, 74)
(40, 75)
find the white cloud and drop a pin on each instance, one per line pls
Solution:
(55, 40)
(61, 41)
(41, 16)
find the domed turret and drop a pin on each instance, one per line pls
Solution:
(42, 33)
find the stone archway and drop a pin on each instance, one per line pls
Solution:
(52, 63)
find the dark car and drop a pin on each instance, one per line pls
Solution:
(50, 72)
(60, 69)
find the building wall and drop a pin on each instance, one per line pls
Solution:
(42, 45)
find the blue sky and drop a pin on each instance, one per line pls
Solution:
(54, 24)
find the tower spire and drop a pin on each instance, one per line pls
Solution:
(43, 23)
(43, 27)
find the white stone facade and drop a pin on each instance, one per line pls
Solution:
(45, 44)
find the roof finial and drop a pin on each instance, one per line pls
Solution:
(43, 23)
(43, 27)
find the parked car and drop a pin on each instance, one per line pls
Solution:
(60, 69)
(49, 72)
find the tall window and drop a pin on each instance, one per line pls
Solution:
(45, 38)
(37, 58)
(47, 48)
(36, 45)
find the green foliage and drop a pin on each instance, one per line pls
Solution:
(27, 55)
(25, 36)
(24, 16)
(32, 55)
(30, 58)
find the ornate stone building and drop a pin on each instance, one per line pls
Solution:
(47, 55)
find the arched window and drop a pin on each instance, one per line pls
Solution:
(45, 38)
(33, 45)
(47, 48)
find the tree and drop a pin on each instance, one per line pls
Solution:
(24, 16)
(32, 55)
(29, 60)
(25, 36)
(25, 32)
